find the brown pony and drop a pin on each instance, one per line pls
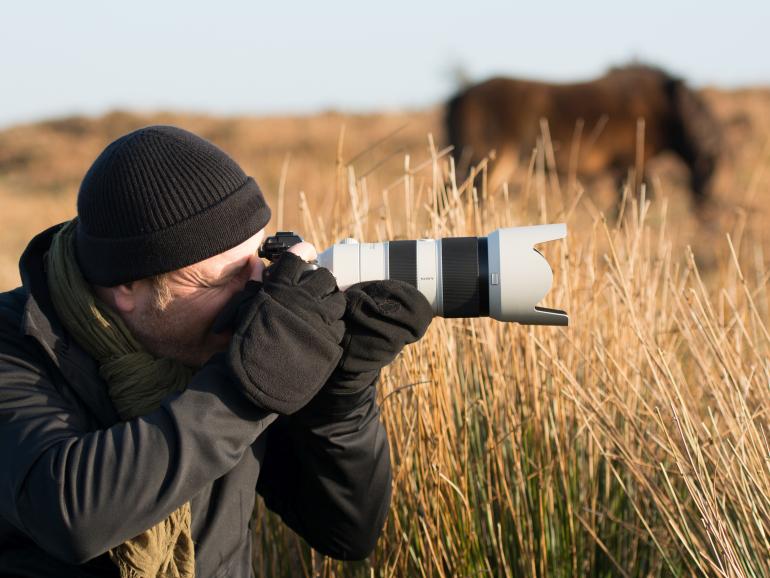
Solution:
(602, 115)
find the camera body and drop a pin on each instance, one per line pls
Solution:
(501, 275)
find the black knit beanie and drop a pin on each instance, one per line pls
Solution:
(158, 199)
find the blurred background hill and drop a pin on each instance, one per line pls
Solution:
(42, 163)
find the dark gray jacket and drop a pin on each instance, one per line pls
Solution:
(74, 481)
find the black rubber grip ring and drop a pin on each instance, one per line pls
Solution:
(402, 261)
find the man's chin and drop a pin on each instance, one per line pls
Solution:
(218, 343)
(178, 343)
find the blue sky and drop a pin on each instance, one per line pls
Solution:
(233, 57)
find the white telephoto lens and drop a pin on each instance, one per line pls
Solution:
(501, 276)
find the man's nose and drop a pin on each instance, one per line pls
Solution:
(257, 267)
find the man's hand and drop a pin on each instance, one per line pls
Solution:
(381, 317)
(312, 294)
(287, 333)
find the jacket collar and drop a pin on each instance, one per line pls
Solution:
(41, 323)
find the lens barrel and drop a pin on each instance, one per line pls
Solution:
(501, 276)
(460, 263)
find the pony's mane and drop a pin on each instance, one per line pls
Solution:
(639, 68)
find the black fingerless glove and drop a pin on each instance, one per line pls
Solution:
(381, 317)
(312, 294)
(287, 334)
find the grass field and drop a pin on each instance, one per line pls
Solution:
(632, 443)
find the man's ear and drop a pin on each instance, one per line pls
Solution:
(124, 297)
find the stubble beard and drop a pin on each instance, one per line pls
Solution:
(165, 333)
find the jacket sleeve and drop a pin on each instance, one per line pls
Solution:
(327, 472)
(78, 493)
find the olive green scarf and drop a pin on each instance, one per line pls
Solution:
(137, 382)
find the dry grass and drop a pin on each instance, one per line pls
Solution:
(632, 443)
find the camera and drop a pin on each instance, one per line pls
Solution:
(501, 275)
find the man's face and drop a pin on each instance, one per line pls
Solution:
(181, 328)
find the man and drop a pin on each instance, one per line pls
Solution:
(154, 376)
